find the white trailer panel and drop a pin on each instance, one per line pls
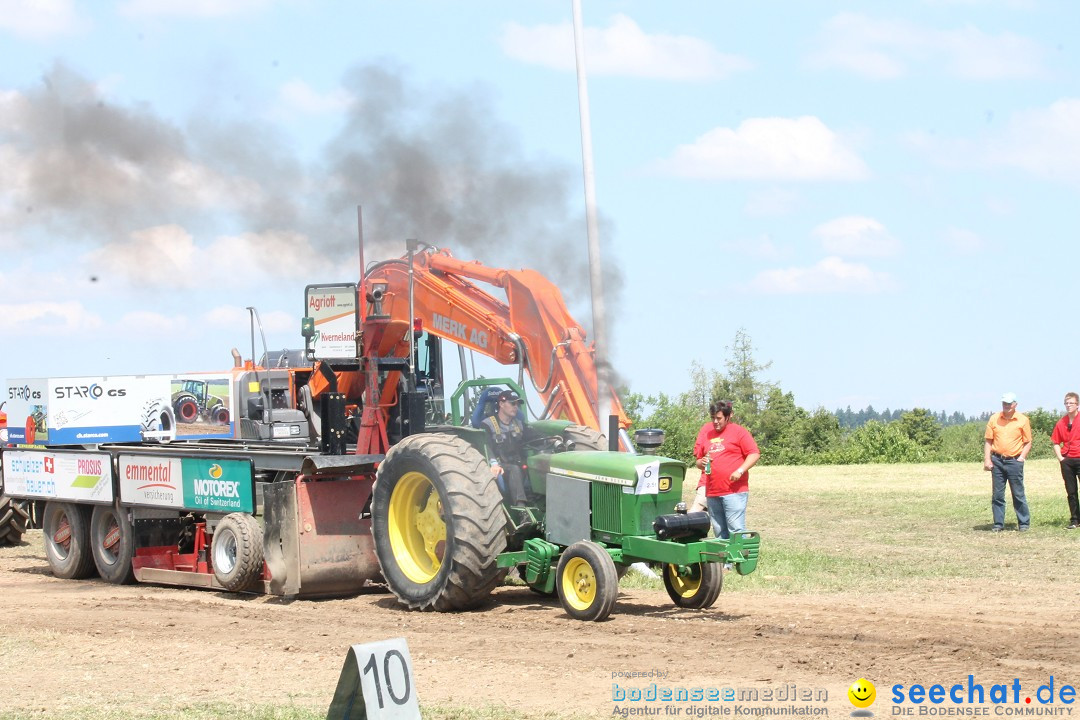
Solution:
(76, 476)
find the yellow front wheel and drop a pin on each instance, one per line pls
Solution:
(693, 586)
(587, 582)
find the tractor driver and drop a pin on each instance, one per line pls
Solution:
(507, 433)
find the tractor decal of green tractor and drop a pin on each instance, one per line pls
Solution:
(193, 402)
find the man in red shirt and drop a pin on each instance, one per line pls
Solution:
(1066, 439)
(727, 451)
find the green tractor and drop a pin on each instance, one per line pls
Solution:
(194, 401)
(445, 535)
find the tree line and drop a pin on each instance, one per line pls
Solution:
(788, 434)
(852, 419)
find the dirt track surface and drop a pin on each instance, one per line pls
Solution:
(71, 644)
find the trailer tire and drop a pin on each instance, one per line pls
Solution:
(438, 523)
(237, 552)
(698, 588)
(14, 518)
(585, 438)
(587, 582)
(66, 530)
(112, 542)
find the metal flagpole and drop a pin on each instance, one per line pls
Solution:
(595, 276)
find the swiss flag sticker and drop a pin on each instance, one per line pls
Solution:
(49, 464)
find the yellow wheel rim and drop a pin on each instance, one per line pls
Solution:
(687, 585)
(417, 529)
(579, 583)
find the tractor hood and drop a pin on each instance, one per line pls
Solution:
(615, 468)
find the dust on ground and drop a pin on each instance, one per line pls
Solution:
(71, 644)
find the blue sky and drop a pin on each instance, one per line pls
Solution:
(883, 195)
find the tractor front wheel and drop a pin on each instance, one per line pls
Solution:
(187, 408)
(438, 523)
(694, 586)
(587, 582)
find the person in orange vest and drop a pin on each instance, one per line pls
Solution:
(1008, 442)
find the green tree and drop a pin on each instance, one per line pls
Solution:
(962, 443)
(747, 390)
(922, 427)
(877, 442)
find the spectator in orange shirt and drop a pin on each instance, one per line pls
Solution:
(1008, 442)
(1066, 439)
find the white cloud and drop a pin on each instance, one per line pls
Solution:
(232, 317)
(768, 149)
(145, 322)
(622, 48)
(831, 275)
(772, 202)
(40, 303)
(167, 257)
(762, 246)
(298, 95)
(190, 8)
(47, 318)
(39, 18)
(963, 242)
(1043, 142)
(855, 235)
(1015, 4)
(884, 49)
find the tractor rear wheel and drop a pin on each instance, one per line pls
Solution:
(14, 517)
(237, 552)
(585, 438)
(694, 586)
(112, 543)
(438, 523)
(66, 530)
(587, 582)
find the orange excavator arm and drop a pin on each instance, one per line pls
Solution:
(533, 326)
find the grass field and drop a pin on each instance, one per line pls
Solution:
(869, 529)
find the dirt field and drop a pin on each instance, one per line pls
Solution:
(76, 644)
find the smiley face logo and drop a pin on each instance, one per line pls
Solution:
(862, 693)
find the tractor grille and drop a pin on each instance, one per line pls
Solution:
(605, 506)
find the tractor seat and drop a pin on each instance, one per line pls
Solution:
(486, 405)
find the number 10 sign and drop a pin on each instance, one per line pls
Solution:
(376, 683)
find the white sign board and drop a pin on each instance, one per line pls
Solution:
(80, 477)
(333, 311)
(376, 683)
(153, 481)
